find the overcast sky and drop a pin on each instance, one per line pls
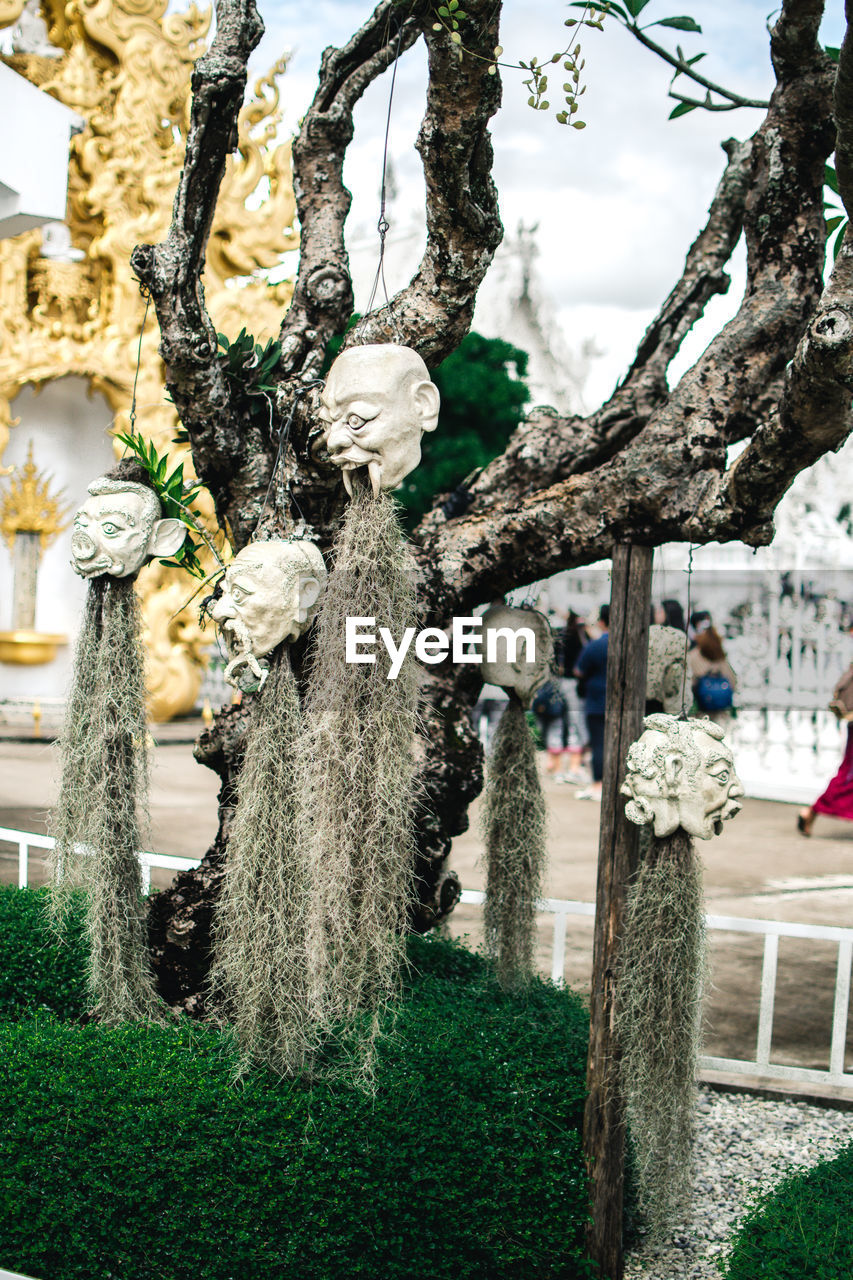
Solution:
(618, 203)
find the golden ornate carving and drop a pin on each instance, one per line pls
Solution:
(28, 506)
(125, 66)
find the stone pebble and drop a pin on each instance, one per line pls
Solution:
(744, 1146)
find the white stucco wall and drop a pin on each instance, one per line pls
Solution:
(69, 434)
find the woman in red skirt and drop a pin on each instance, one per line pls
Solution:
(837, 799)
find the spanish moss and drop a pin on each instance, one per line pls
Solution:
(514, 826)
(260, 977)
(661, 985)
(356, 778)
(102, 802)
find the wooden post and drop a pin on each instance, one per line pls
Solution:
(604, 1129)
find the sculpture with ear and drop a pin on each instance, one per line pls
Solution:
(681, 783)
(269, 595)
(264, 970)
(102, 797)
(519, 652)
(356, 775)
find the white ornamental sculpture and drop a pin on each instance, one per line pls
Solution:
(681, 774)
(523, 646)
(665, 679)
(681, 782)
(119, 528)
(376, 404)
(270, 594)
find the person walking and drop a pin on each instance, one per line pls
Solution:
(837, 800)
(591, 669)
(712, 677)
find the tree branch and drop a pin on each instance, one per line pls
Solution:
(207, 402)
(669, 484)
(433, 313)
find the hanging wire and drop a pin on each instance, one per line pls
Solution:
(383, 225)
(684, 715)
(283, 438)
(132, 417)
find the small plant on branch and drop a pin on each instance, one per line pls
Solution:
(175, 495)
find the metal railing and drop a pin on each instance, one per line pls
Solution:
(26, 840)
(561, 909)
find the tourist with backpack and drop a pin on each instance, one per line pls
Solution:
(713, 680)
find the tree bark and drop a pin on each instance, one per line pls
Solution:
(648, 467)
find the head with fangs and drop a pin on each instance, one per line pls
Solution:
(120, 526)
(680, 773)
(376, 404)
(270, 594)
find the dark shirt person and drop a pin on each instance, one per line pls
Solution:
(591, 668)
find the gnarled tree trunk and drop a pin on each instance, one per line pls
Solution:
(648, 466)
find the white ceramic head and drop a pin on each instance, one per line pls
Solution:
(119, 527)
(665, 671)
(376, 404)
(270, 594)
(681, 774)
(514, 667)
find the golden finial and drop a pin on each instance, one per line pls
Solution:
(29, 507)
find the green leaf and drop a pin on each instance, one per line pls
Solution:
(698, 58)
(578, 124)
(680, 24)
(832, 223)
(636, 7)
(830, 177)
(839, 240)
(831, 52)
(681, 110)
(223, 341)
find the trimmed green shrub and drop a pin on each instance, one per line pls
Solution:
(131, 1153)
(802, 1230)
(36, 972)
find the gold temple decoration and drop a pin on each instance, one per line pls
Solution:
(28, 506)
(125, 67)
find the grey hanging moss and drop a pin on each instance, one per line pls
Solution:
(262, 963)
(96, 821)
(514, 826)
(658, 1022)
(356, 778)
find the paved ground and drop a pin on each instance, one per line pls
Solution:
(760, 866)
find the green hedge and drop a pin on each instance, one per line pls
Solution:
(802, 1230)
(131, 1154)
(35, 973)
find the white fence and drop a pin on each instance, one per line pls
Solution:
(561, 909)
(788, 654)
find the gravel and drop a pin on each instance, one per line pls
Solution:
(744, 1146)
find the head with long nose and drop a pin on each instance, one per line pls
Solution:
(376, 404)
(680, 773)
(269, 594)
(119, 527)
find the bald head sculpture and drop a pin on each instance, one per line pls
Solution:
(523, 648)
(376, 404)
(270, 594)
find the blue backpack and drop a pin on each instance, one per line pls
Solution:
(713, 692)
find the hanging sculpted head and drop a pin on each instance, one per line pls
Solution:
(120, 527)
(376, 404)
(665, 671)
(270, 594)
(518, 649)
(681, 774)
